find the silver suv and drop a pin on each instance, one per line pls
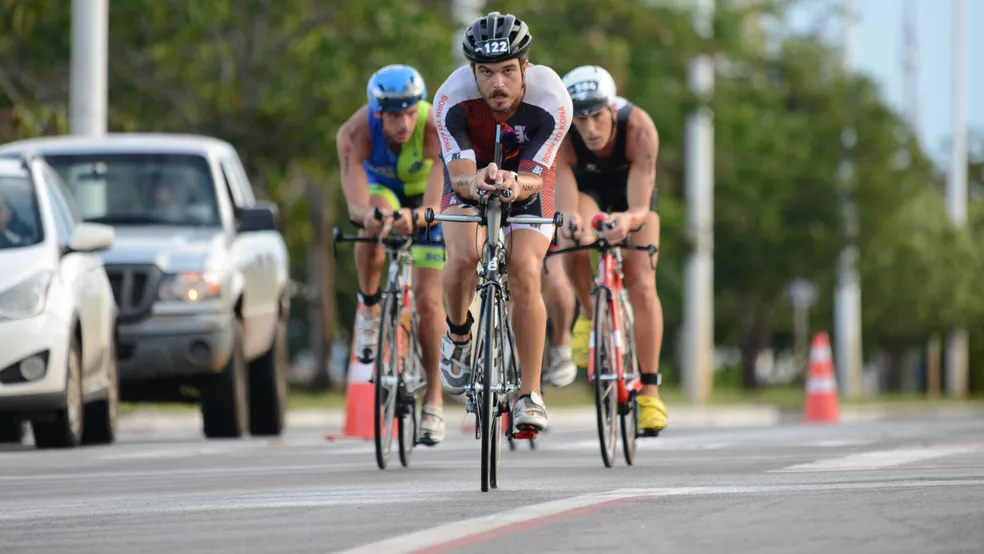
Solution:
(199, 271)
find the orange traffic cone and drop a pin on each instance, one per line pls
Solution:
(360, 397)
(822, 403)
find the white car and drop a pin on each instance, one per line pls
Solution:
(57, 313)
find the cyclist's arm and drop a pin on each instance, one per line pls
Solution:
(642, 149)
(352, 142)
(455, 143)
(565, 193)
(435, 181)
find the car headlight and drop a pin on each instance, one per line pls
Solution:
(26, 299)
(189, 287)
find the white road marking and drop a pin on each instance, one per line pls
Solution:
(878, 459)
(470, 531)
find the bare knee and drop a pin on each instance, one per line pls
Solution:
(427, 293)
(524, 279)
(641, 284)
(576, 262)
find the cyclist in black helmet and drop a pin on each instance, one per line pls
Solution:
(608, 164)
(499, 85)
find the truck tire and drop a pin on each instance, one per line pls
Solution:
(224, 395)
(268, 387)
(11, 430)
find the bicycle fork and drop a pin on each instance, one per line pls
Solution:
(612, 283)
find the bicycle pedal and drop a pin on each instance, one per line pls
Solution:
(648, 434)
(526, 434)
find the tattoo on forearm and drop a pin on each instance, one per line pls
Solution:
(530, 188)
(347, 159)
(461, 183)
(651, 165)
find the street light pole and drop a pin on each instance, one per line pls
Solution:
(698, 295)
(847, 296)
(956, 197)
(88, 81)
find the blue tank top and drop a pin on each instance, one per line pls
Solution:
(404, 173)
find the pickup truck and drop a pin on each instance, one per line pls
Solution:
(199, 272)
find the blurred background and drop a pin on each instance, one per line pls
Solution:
(828, 131)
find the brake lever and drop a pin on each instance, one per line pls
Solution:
(336, 235)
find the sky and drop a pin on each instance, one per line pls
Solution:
(878, 48)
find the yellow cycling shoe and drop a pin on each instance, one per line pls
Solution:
(652, 415)
(580, 342)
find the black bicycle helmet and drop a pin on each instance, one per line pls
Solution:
(496, 38)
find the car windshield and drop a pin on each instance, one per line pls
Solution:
(20, 222)
(140, 189)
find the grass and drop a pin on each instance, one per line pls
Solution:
(581, 394)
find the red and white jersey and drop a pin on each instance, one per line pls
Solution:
(530, 138)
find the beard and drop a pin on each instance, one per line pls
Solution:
(496, 104)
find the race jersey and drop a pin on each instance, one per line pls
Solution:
(405, 173)
(606, 179)
(530, 138)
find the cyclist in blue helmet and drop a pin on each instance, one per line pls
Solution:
(390, 159)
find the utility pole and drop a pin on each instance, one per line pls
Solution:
(464, 12)
(698, 301)
(956, 197)
(847, 296)
(88, 82)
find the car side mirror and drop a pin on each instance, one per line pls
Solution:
(262, 217)
(91, 237)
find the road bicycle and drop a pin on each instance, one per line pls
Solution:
(495, 377)
(613, 364)
(397, 370)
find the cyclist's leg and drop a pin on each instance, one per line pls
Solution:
(580, 273)
(640, 281)
(558, 294)
(369, 262)
(526, 247)
(459, 279)
(428, 261)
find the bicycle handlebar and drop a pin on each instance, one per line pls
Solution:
(429, 216)
(602, 245)
(390, 242)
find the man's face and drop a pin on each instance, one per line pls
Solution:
(595, 129)
(501, 84)
(399, 126)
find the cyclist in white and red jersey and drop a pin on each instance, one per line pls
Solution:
(499, 85)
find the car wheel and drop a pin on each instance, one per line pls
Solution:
(100, 416)
(268, 387)
(224, 396)
(65, 430)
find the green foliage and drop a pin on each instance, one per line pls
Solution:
(277, 78)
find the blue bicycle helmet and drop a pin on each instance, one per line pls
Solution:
(395, 88)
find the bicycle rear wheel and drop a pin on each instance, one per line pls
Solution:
(606, 387)
(385, 377)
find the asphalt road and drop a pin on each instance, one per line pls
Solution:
(878, 487)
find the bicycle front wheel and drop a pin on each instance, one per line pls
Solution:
(386, 378)
(489, 403)
(411, 379)
(606, 387)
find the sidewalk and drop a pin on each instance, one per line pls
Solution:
(681, 416)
